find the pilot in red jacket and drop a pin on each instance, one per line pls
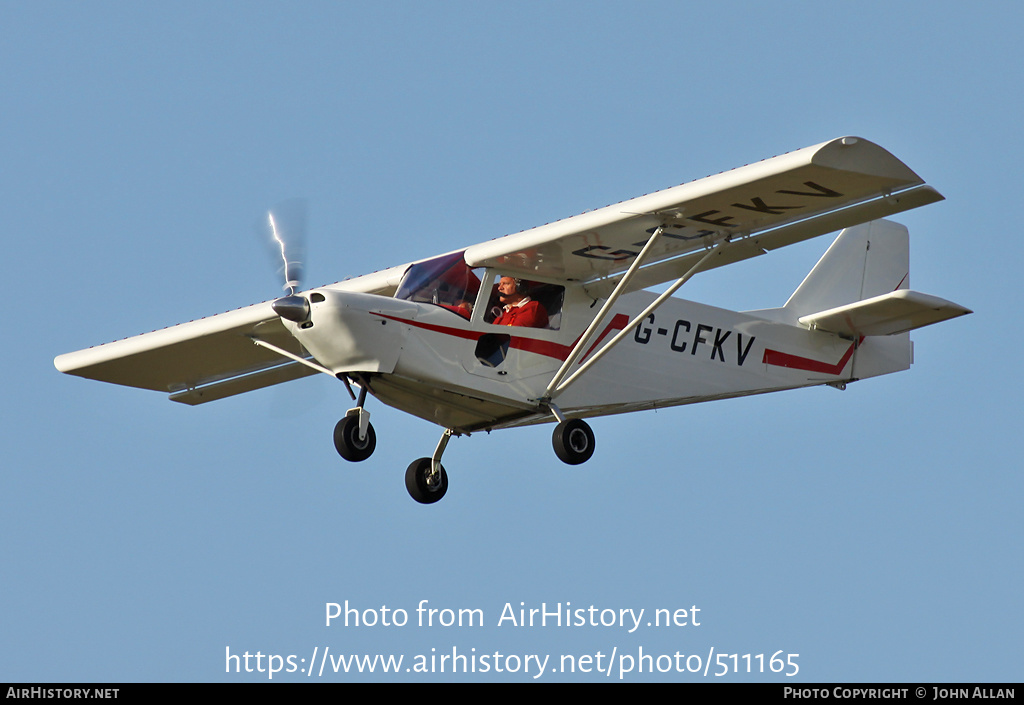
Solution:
(519, 309)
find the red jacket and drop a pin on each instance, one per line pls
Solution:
(530, 314)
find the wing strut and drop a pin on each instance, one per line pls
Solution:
(304, 361)
(557, 384)
(612, 298)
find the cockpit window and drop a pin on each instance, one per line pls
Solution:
(549, 298)
(446, 281)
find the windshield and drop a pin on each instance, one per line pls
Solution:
(446, 281)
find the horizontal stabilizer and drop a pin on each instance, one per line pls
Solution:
(888, 314)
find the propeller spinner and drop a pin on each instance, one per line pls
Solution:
(294, 308)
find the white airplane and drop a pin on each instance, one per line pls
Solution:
(427, 337)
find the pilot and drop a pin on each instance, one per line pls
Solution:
(518, 309)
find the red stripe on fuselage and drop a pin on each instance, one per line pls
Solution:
(540, 347)
(795, 362)
(447, 330)
(619, 321)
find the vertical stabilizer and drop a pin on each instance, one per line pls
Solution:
(867, 260)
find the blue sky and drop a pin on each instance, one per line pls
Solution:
(875, 532)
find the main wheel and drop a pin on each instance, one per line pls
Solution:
(347, 442)
(573, 441)
(417, 481)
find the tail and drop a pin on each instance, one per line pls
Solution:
(860, 290)
(867, 260)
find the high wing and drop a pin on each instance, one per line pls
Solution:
(209, 358)
(758, 207)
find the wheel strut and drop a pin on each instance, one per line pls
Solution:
(435, 459)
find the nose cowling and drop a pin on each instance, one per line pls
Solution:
(353, 331)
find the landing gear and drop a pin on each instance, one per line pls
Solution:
(426, 479)
(352, 444)
(573, 441)
(354, 438)
(425, 485)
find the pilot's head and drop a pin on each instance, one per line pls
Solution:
(511, 291)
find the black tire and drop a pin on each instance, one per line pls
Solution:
(573, 441)
(347, 443)
(416, 482)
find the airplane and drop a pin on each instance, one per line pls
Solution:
(428, 338)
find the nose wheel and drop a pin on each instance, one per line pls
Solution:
(426, 479)
(426, 485)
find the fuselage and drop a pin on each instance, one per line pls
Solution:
(431, 361)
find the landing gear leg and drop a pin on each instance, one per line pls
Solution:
(426, 479)
(354, 437)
